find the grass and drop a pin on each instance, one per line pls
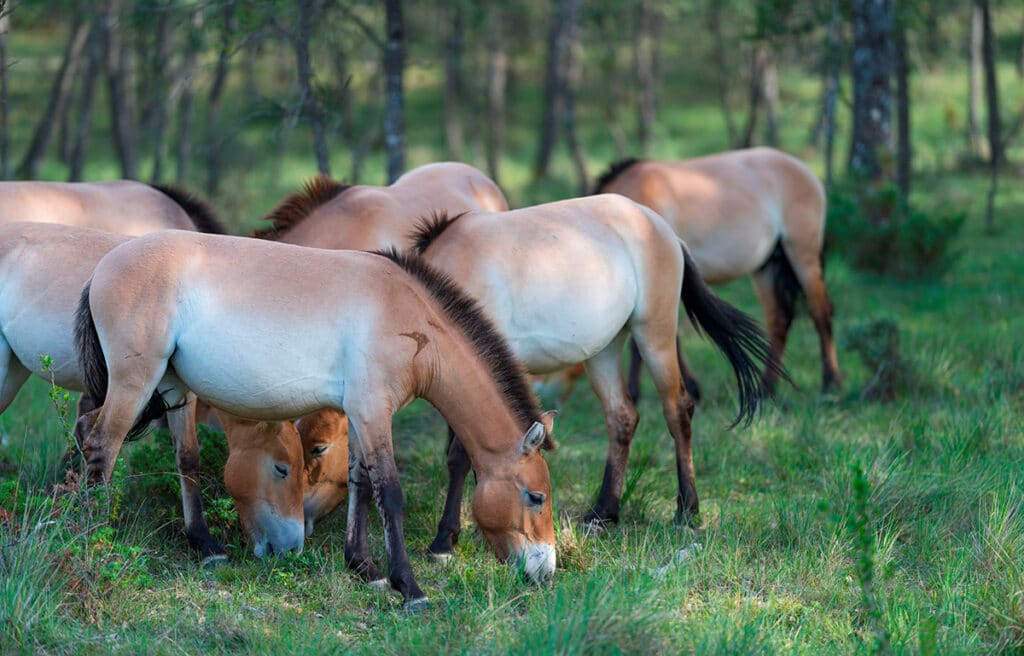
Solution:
(940, 499)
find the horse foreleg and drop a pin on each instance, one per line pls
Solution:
(621, 419)
(357, 551)
(451, 519)
(182, 422)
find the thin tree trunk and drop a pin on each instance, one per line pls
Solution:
(904, 154)
(611, 99)
(997, 155)
(120, 68)
(454, 93)
(185, 104)
(552, 94)
(309, 102)
(5, 143)
(394, 68)
(831, 88)
(644, 47)
(573, 52)
(721, 68)
(770, 95)
(872, 99)
(497, 78)
(59, 95)
(974, 77)
(214, 140)
(755, 95)
(76, 156)
(158, 66)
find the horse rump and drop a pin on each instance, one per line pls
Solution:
(93, 366)
(735, 333)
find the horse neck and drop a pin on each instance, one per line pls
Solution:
(464, 391)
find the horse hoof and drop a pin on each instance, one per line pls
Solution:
(380, 585)
(595, 526)
(416, 605)
(442, 558)
(213, 560)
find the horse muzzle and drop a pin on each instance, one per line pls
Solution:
(537, 561)
(281, 537)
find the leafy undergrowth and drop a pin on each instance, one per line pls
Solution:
(826, 526)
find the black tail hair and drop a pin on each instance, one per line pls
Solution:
(786, 286)
(202, 215)
(735, 333)
(93, 365)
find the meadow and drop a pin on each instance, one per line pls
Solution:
(830, 525)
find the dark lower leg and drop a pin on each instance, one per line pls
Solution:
(829, 362)
(389, 501)
(357, 551)
(186, 454)
(687, 504)
(621, 426)
(450, 525)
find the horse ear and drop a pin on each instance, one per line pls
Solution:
(548, 420)
(533, 438)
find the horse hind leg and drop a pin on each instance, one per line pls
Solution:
(182, 422)
(621, 419)
(635, 362)
(13, 375)
(777, 288)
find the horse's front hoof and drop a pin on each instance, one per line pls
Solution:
(213, 561)
(416, 605)
(442, 558)
(685, 519)
(380, 585)
(595, 524)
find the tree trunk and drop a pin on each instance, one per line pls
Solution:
(997, 155)
(974, 84)
(394, 65)
(5, 132)
(76, 155)
(872, 99)
(552, 93)
(644, 48)
(770, 95)
(454, 93)
(59, 95)
(904, 154)
(214, 139)
(309, 103)
(755, 95)
(832, 43)
(119, 83)
(610, 24)
(497, 78)
(161, 76)
(721, 68)
(573, 52)
(190, 69)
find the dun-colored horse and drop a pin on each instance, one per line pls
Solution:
(756, 212)
(37, 311)
(216, 316)
(568, 282)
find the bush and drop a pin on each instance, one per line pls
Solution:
(909, 243)
(877, 342)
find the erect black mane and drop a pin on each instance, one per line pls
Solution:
(466, 313)
(292, 210)
(202, 215)
(429, 228)
(614, 171)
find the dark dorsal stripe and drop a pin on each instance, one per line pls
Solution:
(614, 171)
(202, 215)
(429, 228)
(292, 210)
(466, 313)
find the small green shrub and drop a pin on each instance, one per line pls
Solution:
(908, 243)
(877, 342)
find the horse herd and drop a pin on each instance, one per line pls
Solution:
(303, 342)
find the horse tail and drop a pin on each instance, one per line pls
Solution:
(93, 366)
(786, 286)
(735, 333)
(614, 170)
(202, 215)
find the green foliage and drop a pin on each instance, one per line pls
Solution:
(877, 342)
(859, 525)
(878, 231)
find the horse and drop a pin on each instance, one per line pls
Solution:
(125, 207)
(568, 282)
(331, 214)
(216, 316)
(38, 302)
(756, 212)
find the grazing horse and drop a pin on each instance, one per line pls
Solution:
(329, 214)
(756, 212)
(216, 316)
(37, 312)
(568, 282)
(125, 207)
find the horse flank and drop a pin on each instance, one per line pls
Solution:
(202, 215)
(614, 170)
(466, 313)
(317, 191)
(429, 228)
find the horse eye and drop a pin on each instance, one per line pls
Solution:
(319, 450)
(282, 470)
(534, 499)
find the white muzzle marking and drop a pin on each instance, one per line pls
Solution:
(538, 562)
